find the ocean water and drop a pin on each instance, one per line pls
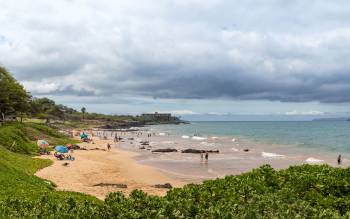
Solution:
(321, 136)
(242, 146)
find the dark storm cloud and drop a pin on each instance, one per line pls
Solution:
(244, 88)
(289, 51)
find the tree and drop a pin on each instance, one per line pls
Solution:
(44, 108)
(83, 110)
(14, 99)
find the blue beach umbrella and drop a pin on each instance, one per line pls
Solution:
(61, 149)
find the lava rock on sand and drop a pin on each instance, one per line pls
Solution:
(196, 151)
(121, 186)
(163, 186)
(165, 150)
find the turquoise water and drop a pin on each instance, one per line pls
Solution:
(327, 136)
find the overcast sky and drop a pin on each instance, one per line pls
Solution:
(189, 57)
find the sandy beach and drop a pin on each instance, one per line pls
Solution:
(131, 163)
(92, 167)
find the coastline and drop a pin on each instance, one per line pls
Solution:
(92, 167)
(136, 166)
(232, 159)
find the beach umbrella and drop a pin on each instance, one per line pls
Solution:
(42, 143)
(61, 149)
(83, 136)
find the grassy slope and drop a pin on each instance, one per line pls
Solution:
(17, 166)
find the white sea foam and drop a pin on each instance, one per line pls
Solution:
(167, 142)
(152, 143)
(207, 143)
(185, 136)
(312, 160)
(272, 155)
(198, 138)
(235, 149)
(161, 134)
(214, 137)
(233, 139)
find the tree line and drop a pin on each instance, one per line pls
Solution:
(15, 101)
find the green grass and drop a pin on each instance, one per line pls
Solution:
(18, 137)
(17, 167)
(52, 136)
(13, 137)
(17, 180)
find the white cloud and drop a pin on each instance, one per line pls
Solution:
(305, 113)
(41, 87)
(217, 114)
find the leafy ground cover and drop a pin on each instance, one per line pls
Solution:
(305, 191)
(19, 188)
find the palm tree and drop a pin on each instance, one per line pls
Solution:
(83, 110)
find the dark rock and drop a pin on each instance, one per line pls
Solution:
(246, 150)
(97, 149)
(163, 186)
(165, 150)
(142, 148)
(196, 151)
(75, 147)
(121, 186)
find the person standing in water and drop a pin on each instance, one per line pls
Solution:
(206, 157)
(108, 147)
(339, 159)
(115, 137)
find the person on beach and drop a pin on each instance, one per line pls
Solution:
(108, 147)
(339, 159)
(206, 157)
(202, 156)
